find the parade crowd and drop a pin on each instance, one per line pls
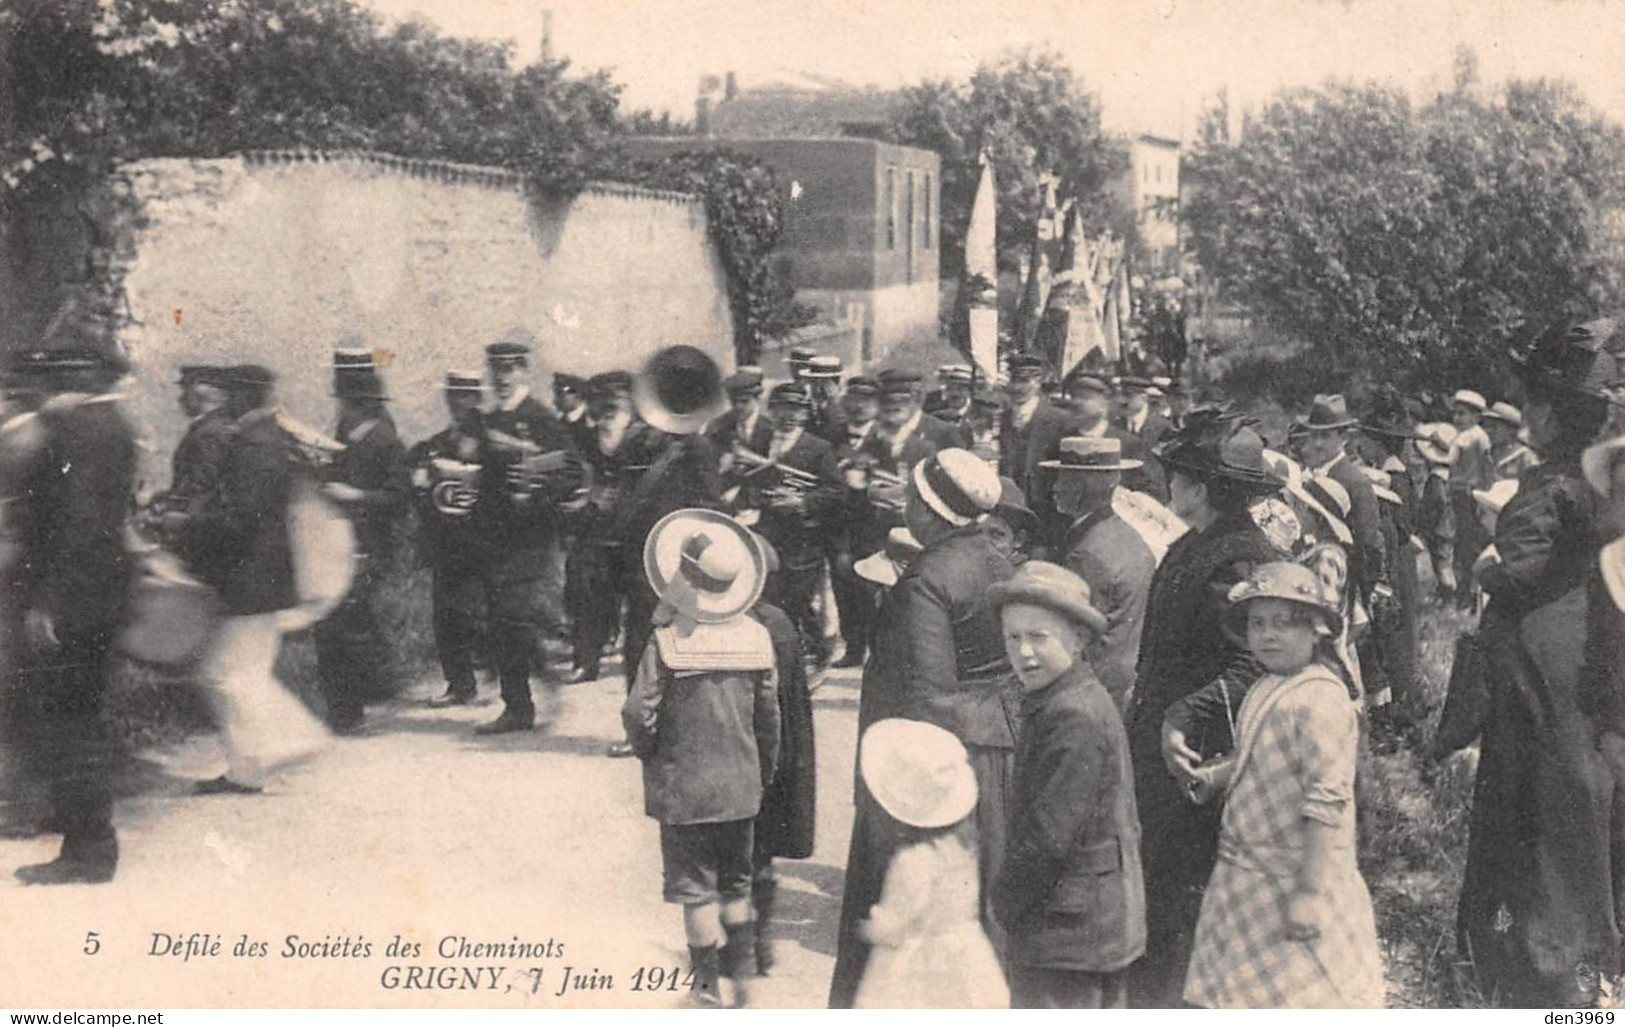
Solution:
(1121, 656)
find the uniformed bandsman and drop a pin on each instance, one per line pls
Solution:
(793, 486)
(570, 402)
(445, 477)
(195, 466)
(823, 378)
(856, 532)
(982, 424)
(951, 402)
(369, 480)
(743, 424)
(524, 464)
(621, 449)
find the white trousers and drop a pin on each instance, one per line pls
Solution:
(262, 724)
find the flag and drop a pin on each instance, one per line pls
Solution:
(1035, 291)
(979, 287)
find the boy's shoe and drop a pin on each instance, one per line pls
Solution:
(705, 992)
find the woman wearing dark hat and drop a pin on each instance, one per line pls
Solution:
(1216, 471)
(1539, 901)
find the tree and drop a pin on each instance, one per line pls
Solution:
(1415, 241)
(1032, 115)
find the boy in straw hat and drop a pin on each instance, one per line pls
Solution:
(1071, 893)
(703, 716)
(929, 949)
(1286, 919)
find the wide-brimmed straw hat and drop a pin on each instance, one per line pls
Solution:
(704, 564)
(1506, 413)
(1292, 582)
(1597, 464)
(919, 773)
(1053, 587)
(1086, 453)
(1433, 441)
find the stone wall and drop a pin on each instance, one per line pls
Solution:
(278, 258)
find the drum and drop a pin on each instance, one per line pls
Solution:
(172, 615)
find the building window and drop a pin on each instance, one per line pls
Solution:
(891, 207)
(926, 231)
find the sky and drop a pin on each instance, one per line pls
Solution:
(1152, 62)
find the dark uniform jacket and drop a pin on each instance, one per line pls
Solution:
(240, 544)
(513, 521)
(1112, 558)
(1071, 894)
(443, 538)
(374, 461)
(936, 404)
(797, 534)
(941, 433)
(614, 477)
(79, 493)
(198, 460)
(938, 649)
(788, 821)
(724, 432)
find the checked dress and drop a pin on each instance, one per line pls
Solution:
(1299, 736)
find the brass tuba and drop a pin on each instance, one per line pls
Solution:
(679, 390)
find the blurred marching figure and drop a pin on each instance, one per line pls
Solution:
(258, 543)
(1435, 519)
(446, 476)
(71, 478)
(367, 477)
(1471, 467)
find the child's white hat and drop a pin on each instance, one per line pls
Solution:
(917, 772)
(705, 564)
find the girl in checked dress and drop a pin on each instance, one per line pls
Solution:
(1286, 921)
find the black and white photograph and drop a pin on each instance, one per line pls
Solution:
(812, 504)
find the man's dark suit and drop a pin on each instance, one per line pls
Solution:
(74, 570)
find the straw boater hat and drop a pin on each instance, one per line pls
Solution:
(919, 773)
(957, 485)
(1037, 583)
(355, 374)
(955, 374)
(1329, 500)
(1290, 581)
(1506, 413)
(1469, 398)
(826, 368)
(1328, 413)
(1085, 453)
(463, 381)
(704, 564)
(887, 564)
